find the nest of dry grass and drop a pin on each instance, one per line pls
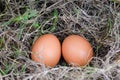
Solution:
(23, 20)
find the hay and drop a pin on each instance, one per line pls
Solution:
(24, 20)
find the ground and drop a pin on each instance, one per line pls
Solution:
(22, 21)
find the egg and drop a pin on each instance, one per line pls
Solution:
(76, 50)
(47, 50)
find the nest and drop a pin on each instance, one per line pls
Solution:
(21, 21)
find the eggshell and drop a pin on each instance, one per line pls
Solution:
(46, 50)
(76, 50)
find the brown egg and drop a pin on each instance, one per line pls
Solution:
(76, 50)
(46, 50)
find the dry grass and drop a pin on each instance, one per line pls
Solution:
(23, 20)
